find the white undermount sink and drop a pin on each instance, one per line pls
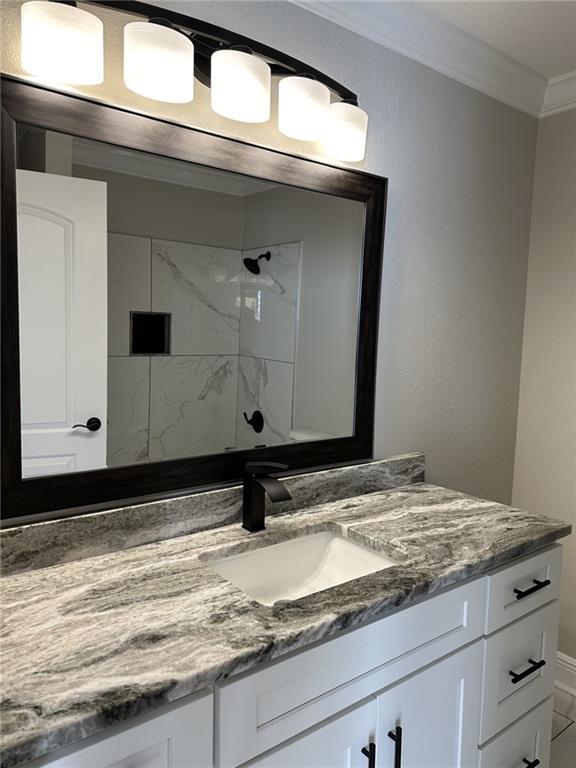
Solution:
(299, 567)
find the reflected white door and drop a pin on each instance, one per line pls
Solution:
(63, 321)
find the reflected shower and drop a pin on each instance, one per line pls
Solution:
(252, 265)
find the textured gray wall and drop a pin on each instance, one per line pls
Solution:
(545, 470)
(460, 168)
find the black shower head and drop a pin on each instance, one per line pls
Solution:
(252, 264)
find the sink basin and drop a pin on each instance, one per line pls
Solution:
(299, 567)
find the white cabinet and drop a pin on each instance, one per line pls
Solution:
(276, 702)
(516, 590)
(433, 715)
(524, 743)
(461, 692)
(336, 744)
(179, 738)
(519, 663)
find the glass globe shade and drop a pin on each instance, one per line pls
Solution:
(62, 43)
(303, 108)
(346, 134)
(240, 86)
(158, 62)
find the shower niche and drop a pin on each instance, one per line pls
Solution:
(149, 333)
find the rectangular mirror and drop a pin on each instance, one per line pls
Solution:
(182, 309)
(185, 303)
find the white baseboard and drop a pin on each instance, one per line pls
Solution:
(566, 673)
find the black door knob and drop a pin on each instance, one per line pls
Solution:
(93, 424)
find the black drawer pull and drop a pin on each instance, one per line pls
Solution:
(520, 593)
(370, 753)
(534, 667)
(530, 763)
(396, 736)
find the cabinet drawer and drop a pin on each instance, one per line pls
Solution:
(263, 708)
(526, 740)
(519, 664)
(529, 577)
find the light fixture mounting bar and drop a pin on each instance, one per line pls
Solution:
(209, 38)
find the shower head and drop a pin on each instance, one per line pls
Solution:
(252, 265)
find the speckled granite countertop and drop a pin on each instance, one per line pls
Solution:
(89, 643)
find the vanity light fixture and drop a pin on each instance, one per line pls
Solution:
(240, 85)
(346, 135)
(303, 107)
(163, 56)
(158, 61)
(62, 43)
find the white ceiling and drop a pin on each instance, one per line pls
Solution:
(521, 52)
(541, 35)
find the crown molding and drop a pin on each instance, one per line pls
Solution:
(412, 31)
(560, 95)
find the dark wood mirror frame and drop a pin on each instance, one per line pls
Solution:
(23, 102)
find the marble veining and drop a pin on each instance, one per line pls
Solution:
(48, 543)
(269, 303)
(128, 410)
(91, 643)
(200, 286)
(193, 402)
(264, 385)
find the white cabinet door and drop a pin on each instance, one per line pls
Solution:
(338, 743)
(260, 711)
(436, 712)
(434, 716)
(181, 738)
(63, 317)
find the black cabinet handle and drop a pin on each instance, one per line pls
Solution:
(396, 736)
(520, 593)
(530, 763)
(93, 424)
(370, 753)
(534, 667)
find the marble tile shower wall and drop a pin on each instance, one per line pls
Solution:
(161, 407)
(224, 359)
(268, 338)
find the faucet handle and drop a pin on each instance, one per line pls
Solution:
(258, 468)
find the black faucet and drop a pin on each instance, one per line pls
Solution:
(257, 480)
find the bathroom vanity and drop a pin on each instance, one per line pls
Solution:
(177, 305)
(446, 657)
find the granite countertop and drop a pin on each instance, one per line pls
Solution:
(90, 643)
